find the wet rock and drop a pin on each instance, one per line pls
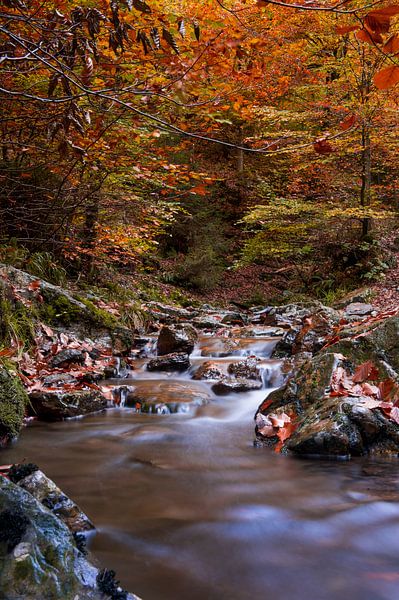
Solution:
(165, 313)
(232, 318)
(207, 322)
(57, 405)
(177, 361)
(42, 562)
(59, 380)
(176, 338)
(375, 341)
(13, 400)
(246, 369)
(67, 356)
(208, 371)
(230, 384)
(45, 491)
(358, 309)
(164, 397)
(309, 334)
(325, 424)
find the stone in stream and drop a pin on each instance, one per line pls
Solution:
(176, 338)
(13, 401)
(177, 361)
(237, 385)
(38, 554)
(208, 371)
(358, 309)
(56, 405)
(167, 396)
(246, 369)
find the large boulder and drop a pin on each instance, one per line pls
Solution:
(39, 558)
(56, 405)
(176, 338)
(13, 401)
(327, 412)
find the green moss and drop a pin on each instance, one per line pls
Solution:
(16, 322)
(60, 310)
(13, 400)
(98, 316)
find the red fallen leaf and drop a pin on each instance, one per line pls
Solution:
(54, 348)
(47, 330)
(265, 404)
(348, 122)
(323, 146)
(370, 390)
(34, 285)
(283, 434)
(386, 388)
(370, 402)
(366, 370)
(279, 420)
(7, 352)
(394, 414)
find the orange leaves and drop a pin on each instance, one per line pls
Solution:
(387, 77)
(392, 45)
(365, 371)
(364, 35)
(323, 146)
(278, 425)
(348, 122)
(346, 29)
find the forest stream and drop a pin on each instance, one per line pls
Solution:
(186, 508)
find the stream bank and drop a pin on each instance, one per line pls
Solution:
(184, 505)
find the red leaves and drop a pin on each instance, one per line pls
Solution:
(387, 77)
(348, 122)
(372, 38)
(278, 425)
(34, 285)
(365, 371)
(392, 45)
(323, 146)
(346, 29)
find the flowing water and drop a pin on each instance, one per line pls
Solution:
(188, 509)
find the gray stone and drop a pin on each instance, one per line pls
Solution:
(67, 356)
(177, 361)
(230, 384)
(57, 405)
(176, 338)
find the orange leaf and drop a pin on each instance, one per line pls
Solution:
(392, 45)
(34, 285)
(386, 78)
(322, 146)
(348, 122)
(366, 370)
(346, 29)
(377, 23)
(388, 11)
(368, 36)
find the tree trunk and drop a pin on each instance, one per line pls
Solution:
(365, 191)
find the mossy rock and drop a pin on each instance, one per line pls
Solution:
(42, 562)
(13, 400)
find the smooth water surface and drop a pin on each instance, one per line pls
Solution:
(188, 509)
